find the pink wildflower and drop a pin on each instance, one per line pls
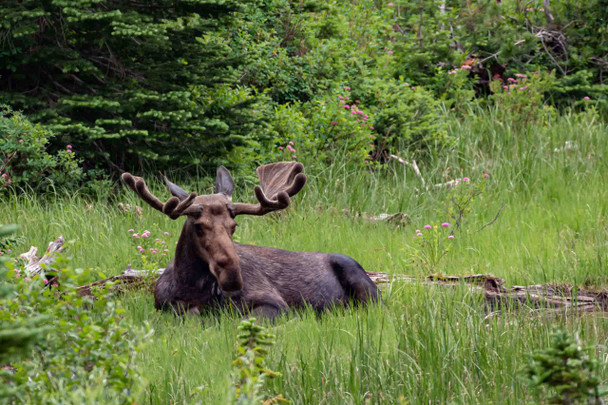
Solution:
(346, 106)
(334, 123)
(445, 224)
(280, 148)
(136, 235)
(427, 227)
(291, 142)
(465, 67)
(512, 80)
(69, 146)
(166, 233)
(371, 127)
(294, 156)
(390, 52)
(523, 88)
(419, 234)
(486, 175)
(417, 230)
(20, 140)
(466, 179)
(346, 88)
(357, 101)
(521, 76)
(457, 180)
(451, 237)
(586, 98)
(131, 230)
(390, 4)
(45, 281)
(3, 175)
(9, 181)
(17, 275)
(340, 97)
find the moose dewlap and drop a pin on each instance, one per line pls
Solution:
(209, 269)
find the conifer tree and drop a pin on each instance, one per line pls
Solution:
(128, 83)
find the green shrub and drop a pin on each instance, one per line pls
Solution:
(84, 349)
(405, 117)
(25, 161)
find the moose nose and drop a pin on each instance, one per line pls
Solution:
(230, 280)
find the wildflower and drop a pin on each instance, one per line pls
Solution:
(136, 235)
(69, 146)
(466, 179)
(291, 142)
(523, 88)
(346, 106)
(417, 230)
(9, 181)
(512, 80)
(390, 4)
(586, 98)
(294, 156)
(280, 148)
(157, 240)
(445, 224)
(371, 127)
(390, 52)
(254, 111)
(419, 234)
(17, 275)
(413, 87)
(131, 230)
(166, 233)
(465, 67)
(20, 140)
(340, 97)
(334, 123)
(427, 227)
(451, 237)
(3, 175)
(406, 84)
(139, 247)
(27, 279)
(486, 175)
(458, 180)
(45, 281)
(162, 243)
(521, 76)
(346, 88)
(357, 101)
(452, 72)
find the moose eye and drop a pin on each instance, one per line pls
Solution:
(198, 228)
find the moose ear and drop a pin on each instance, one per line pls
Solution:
(176, 191)
(223, 182)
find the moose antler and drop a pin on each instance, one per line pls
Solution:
(173, 208)
(278, 182)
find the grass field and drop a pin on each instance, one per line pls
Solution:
(421, 345)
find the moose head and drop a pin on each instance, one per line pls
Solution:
(210, 224)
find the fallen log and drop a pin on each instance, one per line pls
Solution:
(495, 295)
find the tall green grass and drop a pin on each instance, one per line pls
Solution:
(422, 344)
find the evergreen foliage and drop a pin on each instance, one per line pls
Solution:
(128, 83)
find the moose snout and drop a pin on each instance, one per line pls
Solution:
(230, 280)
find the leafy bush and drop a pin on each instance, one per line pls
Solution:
(405, 117)
(24, 159)
(83, 349)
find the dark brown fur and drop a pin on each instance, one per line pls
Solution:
(209, 269)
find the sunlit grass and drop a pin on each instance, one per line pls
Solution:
(422, 344)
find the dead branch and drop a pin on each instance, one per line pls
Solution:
(495, 218)
(35, 265)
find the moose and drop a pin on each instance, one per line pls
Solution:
(210, 270)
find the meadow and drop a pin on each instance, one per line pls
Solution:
(421, 344)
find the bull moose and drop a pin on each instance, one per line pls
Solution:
(209, 269)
